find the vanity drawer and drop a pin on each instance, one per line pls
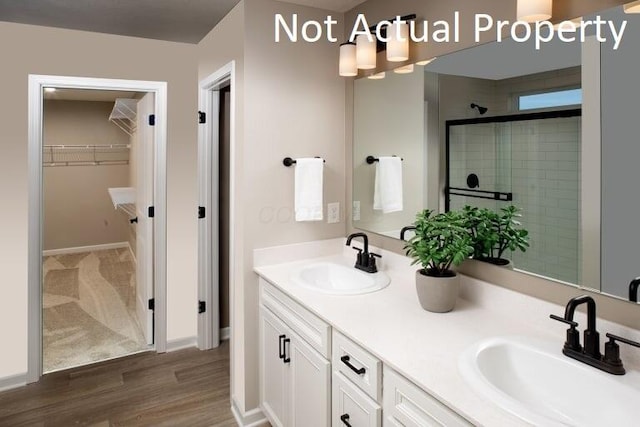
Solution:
(309, 327)
(407, 405)
(358, 365)
(351, 407)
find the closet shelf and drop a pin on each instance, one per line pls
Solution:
(85, 155)
(124, 198)
(124, 114)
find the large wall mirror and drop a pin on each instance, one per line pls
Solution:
(555, 132)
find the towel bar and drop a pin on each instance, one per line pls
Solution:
(371, 160)
(288, 161)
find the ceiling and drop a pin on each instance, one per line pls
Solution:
(87, 95)
(186, 21)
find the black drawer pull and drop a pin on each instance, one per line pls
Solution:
(345, 420)
(346, 361)
(281, 346)
(286, 359)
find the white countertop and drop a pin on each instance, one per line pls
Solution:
(423, 346)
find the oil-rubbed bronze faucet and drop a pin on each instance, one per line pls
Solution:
(365, 261)
(633, 289)
(590, 353)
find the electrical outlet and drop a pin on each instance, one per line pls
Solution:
(333, 213)
(356, 210)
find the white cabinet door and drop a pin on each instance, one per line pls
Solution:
(273, 370)
(404, 404)
(309, 385)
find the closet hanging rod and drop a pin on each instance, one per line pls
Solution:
(371, 160)
(288, 161)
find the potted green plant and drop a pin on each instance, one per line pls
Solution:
(493, 233)
(441, 241)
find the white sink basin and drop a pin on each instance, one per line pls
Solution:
(536, 382)
(336, 278)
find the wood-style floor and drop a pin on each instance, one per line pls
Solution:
(184, 388)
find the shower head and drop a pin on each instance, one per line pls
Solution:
(482, 110)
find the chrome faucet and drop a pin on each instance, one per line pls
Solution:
(365, 260)
(633, 289)
(590, 354)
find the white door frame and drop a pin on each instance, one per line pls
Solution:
(208, 185)
(37, 83)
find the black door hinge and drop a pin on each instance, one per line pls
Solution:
(152, 119)
(152, 304)
(202, 117)
(151, 211)
(202, 307)
(202, 212)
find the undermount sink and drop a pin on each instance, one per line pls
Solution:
(336, 278)
(536, 382)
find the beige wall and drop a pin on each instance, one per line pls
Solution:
(39, 50)
(289, 102)
(390, 120)
(77, 207)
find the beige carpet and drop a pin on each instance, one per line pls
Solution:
(89, 308)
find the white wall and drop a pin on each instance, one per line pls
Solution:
(39, 50)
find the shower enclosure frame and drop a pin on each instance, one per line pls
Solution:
(492, 195)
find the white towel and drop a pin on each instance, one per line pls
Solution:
(308, 189)
(387, 195)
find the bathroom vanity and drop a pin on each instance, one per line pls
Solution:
(377, 358)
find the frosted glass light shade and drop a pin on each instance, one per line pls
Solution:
(407, 69)
(378, 76)
(366, 52)
(398, 47)
(534, 10)
(348, 67)
(633, 7)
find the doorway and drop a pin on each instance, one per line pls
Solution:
(216, 188)
(97, 224)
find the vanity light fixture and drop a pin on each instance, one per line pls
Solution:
(398, 44)
(407, 69)
(426, 61)
(633, 7)
(348, 66)
(49, 89)
(534, 10)
(378, 76)
(366, 53)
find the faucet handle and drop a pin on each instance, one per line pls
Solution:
(573, 336)
(614, 338)
(563, 320)
(612, 352)
(375, 255)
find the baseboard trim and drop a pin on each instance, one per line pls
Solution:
(253, 418)
(181, 344)
(225, 334)
(80, 249)
(12, 382)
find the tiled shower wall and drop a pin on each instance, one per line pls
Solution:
(539, 162)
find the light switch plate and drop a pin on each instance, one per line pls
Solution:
(333, 213)
(356, 210)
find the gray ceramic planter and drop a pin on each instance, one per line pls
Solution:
(437, 294)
